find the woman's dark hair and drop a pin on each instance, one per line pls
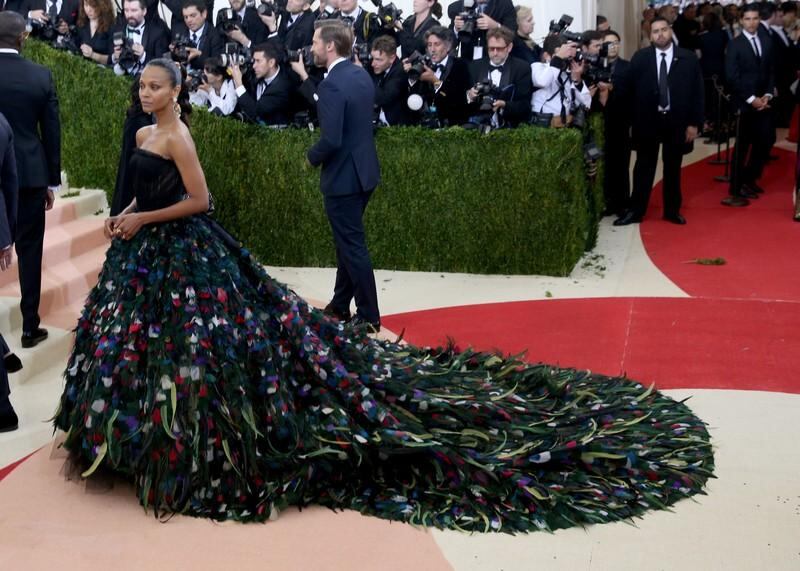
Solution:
(214, 65)
(136, 103)
(436, 10)
(105, 14)
(177, 76)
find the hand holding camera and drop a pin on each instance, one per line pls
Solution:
(486, 22)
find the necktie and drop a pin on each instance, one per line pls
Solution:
(52, 12)
(755, 47)
(194, 39)
(663, 85)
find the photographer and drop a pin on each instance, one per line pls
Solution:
(62, 14)
(560, 83)
(177, 24)
(470, 19)
(444, 81)
(137, 42)
(296, 27)
(391, 83)
(240, 23)
(95, 20)
(411, 33)
(216, 91)
(366, 25)
(595, 69)
(508, 76)
(266, 99)
(201, 40)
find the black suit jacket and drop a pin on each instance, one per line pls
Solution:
(523, 52)
(410, 40)
(252, 27)
(273, 107)
(176, 7)
(685, 91)
(451, 99)
(746, 74)
(516, 73)
(29, 102)
(15, 6)
(212, 44)
(346, 148)
(9, 185)
(501, 11)
(300, 34)
(100, 42)
(68, 12)
(391, 94)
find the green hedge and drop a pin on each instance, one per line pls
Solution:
(511, 202)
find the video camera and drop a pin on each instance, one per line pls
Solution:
(304, 55)
(560, 29)
(388, 14)
(127, 58)
(228, 19)
(418, 63)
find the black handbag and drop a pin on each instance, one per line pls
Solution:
(544, 120)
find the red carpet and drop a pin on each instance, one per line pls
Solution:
(759, 242)
(739, 331)
(10, 468)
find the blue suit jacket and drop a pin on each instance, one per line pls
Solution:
(9, 184)
(346, 148)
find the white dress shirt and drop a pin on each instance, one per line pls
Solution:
(549, 80)
(225, 101)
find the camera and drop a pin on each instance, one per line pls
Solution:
(303, 120)
(180, 49)
(304, 55)
(429, 118)
(327, 13)
(388, 14)
(470, 16)
(127, 58)
(68, 42)
(228, 20)
(418, 63)
(363, 53)
(560, 29)
(270, 8)
(236, 55)
(599, 70)
(44, 29)
(487, 96)
(195, 78)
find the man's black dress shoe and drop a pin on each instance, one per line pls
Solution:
(33, 338)
(627, 218)
(735, 200)
(9, 421)
(12, 363)
(747, 193)
(675, 219)
(753, 187)
(371, 326)
(340, 314)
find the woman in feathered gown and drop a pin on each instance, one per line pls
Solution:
(221, 393)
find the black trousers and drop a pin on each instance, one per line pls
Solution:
(29, 244)
(4, 387)
(756, 137)
(354, 275)
(644, 171)
(617, 181)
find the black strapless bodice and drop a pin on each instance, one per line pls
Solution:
(155, 180)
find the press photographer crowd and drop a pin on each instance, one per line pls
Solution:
(253, 61)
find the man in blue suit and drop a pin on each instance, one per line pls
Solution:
(350, 170)
(8, 219)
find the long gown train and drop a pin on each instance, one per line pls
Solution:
(223, 394)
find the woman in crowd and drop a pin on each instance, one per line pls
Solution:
(411, 33)
(524, 46)
(95, 20)
(216, 92)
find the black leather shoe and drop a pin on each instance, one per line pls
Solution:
(675, 219)
(627, 218)
(340, 314)
(747, 193)
(371, 326)
(12, 363)
(753, 187)
(33, 338)
(9, 421)
(736, 201)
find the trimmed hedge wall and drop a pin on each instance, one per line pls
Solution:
(511, 202)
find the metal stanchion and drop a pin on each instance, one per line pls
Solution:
(734, 199)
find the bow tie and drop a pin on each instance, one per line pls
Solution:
(496, 68)
(349, 20)
(438, 67)
(135, 31)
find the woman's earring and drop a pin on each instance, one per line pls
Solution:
(177, 108)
